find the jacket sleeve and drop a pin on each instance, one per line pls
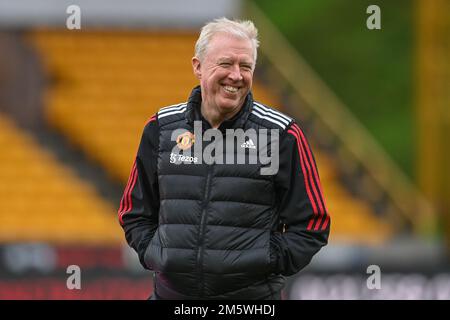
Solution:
(139, 207)
(303, 215)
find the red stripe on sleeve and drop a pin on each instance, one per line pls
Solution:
(126, 204)
(130, 202)
(321, 200)
(130, 178)
(309, 171)
(325, 224)
(127, 196)
(305, 177)
(152, 118)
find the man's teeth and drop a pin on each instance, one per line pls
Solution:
(230, 88)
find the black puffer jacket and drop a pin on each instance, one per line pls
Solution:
(222, 231)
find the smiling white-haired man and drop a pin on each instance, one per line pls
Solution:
(223, 229)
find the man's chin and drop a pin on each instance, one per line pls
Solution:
(229, 105)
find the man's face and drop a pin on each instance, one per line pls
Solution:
(226, 73)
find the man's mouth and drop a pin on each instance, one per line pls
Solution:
(230, 89)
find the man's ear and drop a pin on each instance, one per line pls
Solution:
(196, 67)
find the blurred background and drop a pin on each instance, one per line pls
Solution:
(375, 105)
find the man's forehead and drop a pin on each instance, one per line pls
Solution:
(225, 42)
(229, 55)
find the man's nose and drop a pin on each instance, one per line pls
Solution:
(235, 73)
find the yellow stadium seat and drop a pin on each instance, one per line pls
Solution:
(41, 200)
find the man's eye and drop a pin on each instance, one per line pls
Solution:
(225, 64)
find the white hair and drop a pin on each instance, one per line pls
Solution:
(241, 29)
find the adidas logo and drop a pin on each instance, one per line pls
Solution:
(248, 144)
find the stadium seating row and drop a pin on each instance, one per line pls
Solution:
(42, 200)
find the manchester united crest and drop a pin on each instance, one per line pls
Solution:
(185, 140)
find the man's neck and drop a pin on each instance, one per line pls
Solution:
(216, 118)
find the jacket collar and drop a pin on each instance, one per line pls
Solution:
(193, 112)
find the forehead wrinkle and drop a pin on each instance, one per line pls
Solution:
(241, 60)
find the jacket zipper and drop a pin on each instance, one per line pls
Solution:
(202, 229)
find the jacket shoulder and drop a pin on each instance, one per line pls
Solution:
(172, 113)
(269, 117)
